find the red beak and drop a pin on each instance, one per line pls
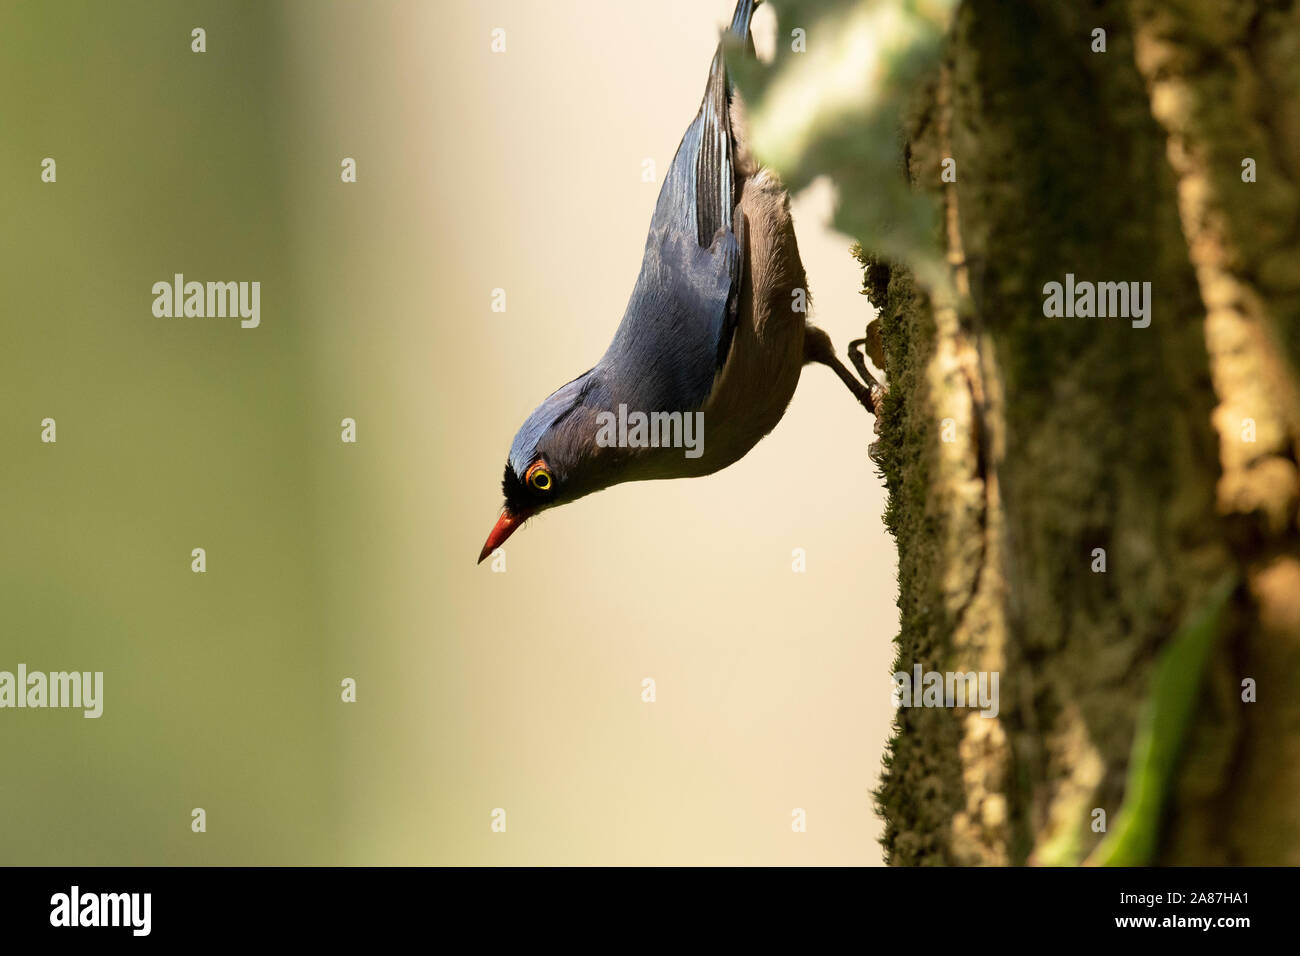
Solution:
(503, 529)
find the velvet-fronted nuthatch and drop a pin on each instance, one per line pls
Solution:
(711, 330)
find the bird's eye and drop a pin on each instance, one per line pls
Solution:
(539, 477)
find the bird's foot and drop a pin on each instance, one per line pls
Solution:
(875, 390)
(858, 356)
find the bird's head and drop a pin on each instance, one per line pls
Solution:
(555, 458)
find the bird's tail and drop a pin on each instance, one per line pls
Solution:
(740, 19)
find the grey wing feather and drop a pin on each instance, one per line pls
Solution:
(681, 320)
(714, 172)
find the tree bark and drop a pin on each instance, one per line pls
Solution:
(1020, 449)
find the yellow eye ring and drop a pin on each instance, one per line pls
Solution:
(539, 477)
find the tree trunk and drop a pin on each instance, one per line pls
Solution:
(1103, 514)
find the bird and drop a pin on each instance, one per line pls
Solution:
(716, 328)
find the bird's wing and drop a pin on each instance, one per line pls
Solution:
(679, 324)
(714, 172)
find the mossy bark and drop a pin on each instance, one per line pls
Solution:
(1015, 445)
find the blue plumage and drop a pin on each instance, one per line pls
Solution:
(677, 328)
(676, 351)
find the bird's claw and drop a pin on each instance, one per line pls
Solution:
(858, 356)
(875, 390)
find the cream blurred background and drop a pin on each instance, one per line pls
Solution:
(476, 690)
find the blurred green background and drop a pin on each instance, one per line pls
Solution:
(172, 434)
(325, 560)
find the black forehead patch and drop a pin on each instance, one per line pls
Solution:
(513, 488)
